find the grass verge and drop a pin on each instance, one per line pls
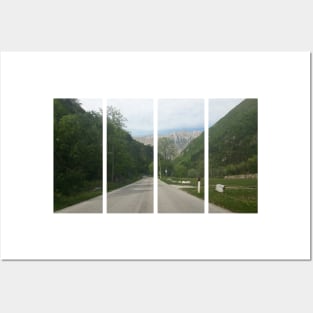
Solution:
(61, 201)
(194, 192)
(240, 195)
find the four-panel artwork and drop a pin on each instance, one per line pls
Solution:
(198, 150)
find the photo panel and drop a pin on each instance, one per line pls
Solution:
(130, 156)
(77, 155)
(181, 156)
(233, 156)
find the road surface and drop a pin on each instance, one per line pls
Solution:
(133, 198)
(213, 208)
(93, 205)
(173, 200)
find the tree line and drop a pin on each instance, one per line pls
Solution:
(127, 159)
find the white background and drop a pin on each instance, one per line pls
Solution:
(30, 81)
(196, 25)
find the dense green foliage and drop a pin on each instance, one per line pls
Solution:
(189, 163)
(77, 150)
(240, 195)
(233, 141)
(127, 159)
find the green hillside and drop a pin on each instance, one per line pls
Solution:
(233, 141)
(190, 163)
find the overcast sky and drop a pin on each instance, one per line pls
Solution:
(220, 107)
(139, 115)
(180, 114)
(91, 104)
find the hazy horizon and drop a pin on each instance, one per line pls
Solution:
(171, 131)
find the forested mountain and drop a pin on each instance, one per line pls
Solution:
(233, 141)
(190, 162)
(77, 147)
(127, 159)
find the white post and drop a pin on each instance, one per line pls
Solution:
(198, 185)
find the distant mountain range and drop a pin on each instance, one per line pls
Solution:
(181, 139)
(233, 145)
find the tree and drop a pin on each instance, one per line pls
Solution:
(115, 123)
(115, 117)
(127, 158)
(77, 146)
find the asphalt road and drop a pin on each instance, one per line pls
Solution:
(93, 205)
(173, 200)
(134, 198)
(213, 208)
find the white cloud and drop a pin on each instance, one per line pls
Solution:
(220, 107)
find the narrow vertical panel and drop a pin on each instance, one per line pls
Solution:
(78, 151)
(130, 156)
(155, 156)
(181, 156)
(233, 155)
(206, 157)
